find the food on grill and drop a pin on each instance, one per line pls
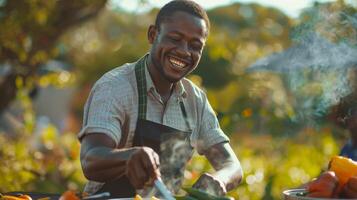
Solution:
(330, 183)
(15, 197)
(137, 197)
(324, 186)
(69, 195)
(344, 169)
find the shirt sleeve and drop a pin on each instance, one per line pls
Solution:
(210, 132)
(103, 112)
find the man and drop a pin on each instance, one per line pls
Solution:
(143, 119)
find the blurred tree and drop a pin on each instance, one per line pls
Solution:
(240, 34)
(29, 34)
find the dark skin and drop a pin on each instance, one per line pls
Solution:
(228, 172)
(179, 39)
(102, 161)
(176, 50)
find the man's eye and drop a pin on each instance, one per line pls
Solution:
(196, 46)
(174, 38)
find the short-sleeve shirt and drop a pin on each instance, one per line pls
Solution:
(112, 109)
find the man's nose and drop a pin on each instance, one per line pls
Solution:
(183, 49)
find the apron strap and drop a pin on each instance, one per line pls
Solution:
(184, 113)
(141, 86)
(142, 91)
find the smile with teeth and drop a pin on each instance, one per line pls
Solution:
(177, 63)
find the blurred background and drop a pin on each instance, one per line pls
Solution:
(273, 72)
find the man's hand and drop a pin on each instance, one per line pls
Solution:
(350, 188)
(103, 162)
(142, 168)
(228, 172)
(211, 185)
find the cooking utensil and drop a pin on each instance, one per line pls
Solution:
(295, 194)
(163, 190)
(97, 196)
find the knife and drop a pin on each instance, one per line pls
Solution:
(163, 190)
(103, 195)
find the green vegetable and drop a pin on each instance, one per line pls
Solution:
(185, 198)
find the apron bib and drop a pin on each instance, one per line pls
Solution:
(172, 145)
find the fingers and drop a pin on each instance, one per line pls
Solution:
(136, 173)
(143, 167)
(152, 163)
(211, 185)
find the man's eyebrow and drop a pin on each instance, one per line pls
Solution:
(175, 32)
(181, 34)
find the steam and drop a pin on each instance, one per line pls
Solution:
(318, 66)
(313, 52)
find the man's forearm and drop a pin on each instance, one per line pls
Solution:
(226, 164)
(230, 175)
(100, 159)
(105, 164)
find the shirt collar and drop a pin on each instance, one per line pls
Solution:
(179, 89)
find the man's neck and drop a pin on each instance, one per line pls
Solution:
(163, 86)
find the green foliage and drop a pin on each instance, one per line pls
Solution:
(240, 33)
(272, 165)
(46, 164)
(29, 34)
(35, 159)
(257, 110)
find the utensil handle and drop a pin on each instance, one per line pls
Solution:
(163, 190)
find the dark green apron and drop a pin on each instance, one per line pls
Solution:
(172, 145)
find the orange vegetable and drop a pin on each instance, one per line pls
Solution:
(344, 168)
(26, 197)
(17, 197)
(69, 195)
(324, 186)
(137, 197)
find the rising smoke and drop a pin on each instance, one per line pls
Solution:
(319, 67)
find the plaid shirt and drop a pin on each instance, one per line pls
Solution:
(112, 109)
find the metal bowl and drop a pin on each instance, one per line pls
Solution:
(293, 195)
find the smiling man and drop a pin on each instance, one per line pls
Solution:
(143, 120)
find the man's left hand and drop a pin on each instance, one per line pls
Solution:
(211, 185)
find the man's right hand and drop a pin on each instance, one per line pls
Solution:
(103, 162)
(142, 168)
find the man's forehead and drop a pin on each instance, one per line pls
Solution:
(181, 15)
(179, 18)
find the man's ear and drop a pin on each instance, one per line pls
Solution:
(152, 33)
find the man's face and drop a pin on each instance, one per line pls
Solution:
(177, 45)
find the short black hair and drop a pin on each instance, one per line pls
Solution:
(187, 6)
